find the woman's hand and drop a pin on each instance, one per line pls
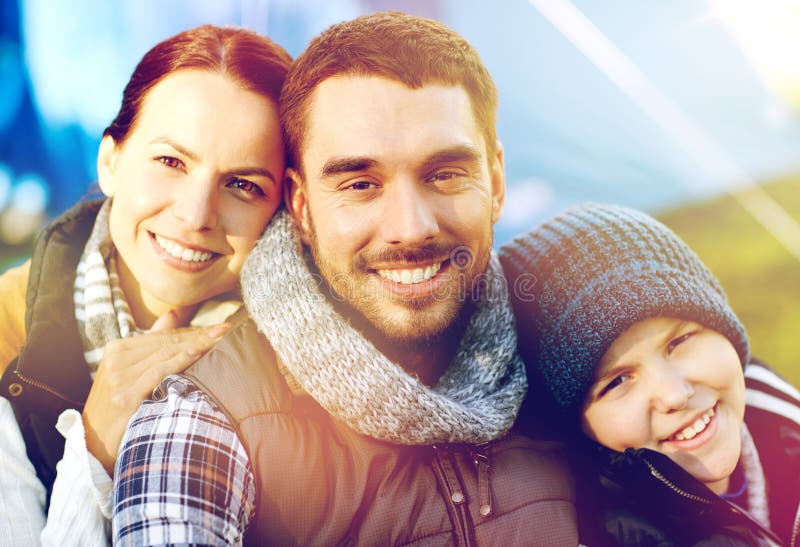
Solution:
(129, 371)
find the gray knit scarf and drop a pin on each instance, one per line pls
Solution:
(475, 401)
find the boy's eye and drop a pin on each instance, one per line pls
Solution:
(171, 162)
(675, 342)
(246, 186)
(617, 381)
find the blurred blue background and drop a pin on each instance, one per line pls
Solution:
(645, 103)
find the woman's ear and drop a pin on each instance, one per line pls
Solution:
(107, 165)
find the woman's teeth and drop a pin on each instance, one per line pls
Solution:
(699, 425)
(409, 277)
(178, 251)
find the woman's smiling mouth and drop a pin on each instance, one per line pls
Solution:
(180, 252)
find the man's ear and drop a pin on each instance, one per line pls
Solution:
(296, 201)
(497, 172)
(107, 156)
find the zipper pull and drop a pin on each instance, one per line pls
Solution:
(480, 456)
(451, 479)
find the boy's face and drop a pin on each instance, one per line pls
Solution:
(673, 386)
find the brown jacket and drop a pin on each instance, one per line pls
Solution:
(320, 483)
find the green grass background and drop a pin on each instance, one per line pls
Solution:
(760, 276)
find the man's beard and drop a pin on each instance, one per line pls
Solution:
(370, 315)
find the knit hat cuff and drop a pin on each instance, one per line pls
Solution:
(575, 343)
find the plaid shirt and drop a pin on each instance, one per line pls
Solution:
(182, 475)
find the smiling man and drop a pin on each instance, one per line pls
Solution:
(370, 396)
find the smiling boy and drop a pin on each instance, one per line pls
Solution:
(680, 438)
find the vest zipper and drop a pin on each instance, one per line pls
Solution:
(456, 500)
(48, 389)
(796, 527)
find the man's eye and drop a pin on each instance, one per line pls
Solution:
(443, 176)
(246, 186)
(361, 185)
(171, 162)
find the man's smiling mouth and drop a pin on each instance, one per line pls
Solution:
(410, 276)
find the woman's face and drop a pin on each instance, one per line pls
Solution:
(672, 386)
(194, 183)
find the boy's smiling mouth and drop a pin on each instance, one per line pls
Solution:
(693, 429)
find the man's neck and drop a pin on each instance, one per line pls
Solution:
(425, 359)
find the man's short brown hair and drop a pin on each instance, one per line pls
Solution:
(413, 50)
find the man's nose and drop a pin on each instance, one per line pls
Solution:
(409, 215)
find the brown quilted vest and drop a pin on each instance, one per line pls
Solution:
(320, 483)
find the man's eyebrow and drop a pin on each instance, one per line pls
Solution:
(454, 154)
(337, 166)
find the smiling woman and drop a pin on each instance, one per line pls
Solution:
(192, 169)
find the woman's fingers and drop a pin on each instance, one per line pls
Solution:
(127, 375)
(138, 348)
(167, 321)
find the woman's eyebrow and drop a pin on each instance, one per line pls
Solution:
(178, 147)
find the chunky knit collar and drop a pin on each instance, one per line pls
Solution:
(475, 401)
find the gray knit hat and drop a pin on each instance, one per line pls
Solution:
(581, 279)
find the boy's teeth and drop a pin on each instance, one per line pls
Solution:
(180, 252)
(690, 431)
(412, 276)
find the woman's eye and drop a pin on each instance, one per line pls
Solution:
(246, 186)
(675, 342)
(171, 162)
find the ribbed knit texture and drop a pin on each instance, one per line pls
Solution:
(101, 311)
(581, 279)
(475, 401)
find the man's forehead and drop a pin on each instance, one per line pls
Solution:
(370, 115)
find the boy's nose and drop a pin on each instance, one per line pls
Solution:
(672, 391)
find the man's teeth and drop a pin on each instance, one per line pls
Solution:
(412, 276)
(699, 425)
(181, 252)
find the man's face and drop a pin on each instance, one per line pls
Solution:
(398, 201)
